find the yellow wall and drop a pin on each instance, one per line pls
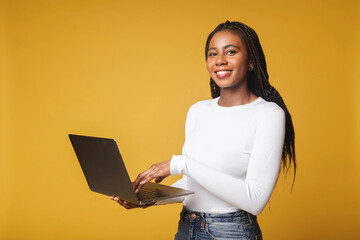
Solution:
(358, 96)
(357, 106)
(130, 70)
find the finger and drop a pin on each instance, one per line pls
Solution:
(131, 205)
(146, 179)
(141, 176)
(128, 205)
(121, 203)
(125, 204)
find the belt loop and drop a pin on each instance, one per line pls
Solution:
(250, 218)
(203, 221)
(183, 215)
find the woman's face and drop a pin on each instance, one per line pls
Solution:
(227, 60)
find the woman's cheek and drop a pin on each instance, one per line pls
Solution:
(208, 67)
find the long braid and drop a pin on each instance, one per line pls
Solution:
(258, 82)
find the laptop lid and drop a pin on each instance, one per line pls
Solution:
(103, 167)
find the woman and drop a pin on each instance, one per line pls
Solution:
(234, 143)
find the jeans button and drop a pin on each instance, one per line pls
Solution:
(193, 216)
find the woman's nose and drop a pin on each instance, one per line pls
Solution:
(220, 60)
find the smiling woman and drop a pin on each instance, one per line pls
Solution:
(228, 61)
(234, 143)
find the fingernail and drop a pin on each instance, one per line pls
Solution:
(116, 199)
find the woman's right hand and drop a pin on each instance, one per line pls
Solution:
(129, 205)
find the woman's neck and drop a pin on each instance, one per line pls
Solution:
(230, 97)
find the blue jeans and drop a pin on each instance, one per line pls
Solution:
(239, 225)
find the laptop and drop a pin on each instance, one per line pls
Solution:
(105, 172)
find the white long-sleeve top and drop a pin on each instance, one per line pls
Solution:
(231, 156)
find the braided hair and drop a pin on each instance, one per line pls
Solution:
(258, 83)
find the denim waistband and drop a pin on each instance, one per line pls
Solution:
(239, 215)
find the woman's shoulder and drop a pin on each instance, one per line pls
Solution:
(268, 106)
(266, 109)
(204, 103)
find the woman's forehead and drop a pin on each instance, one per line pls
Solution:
(224, 38)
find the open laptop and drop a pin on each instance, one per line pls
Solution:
(105, 172)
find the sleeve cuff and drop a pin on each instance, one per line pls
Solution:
(177, 165)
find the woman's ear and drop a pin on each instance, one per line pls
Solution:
(251, 66)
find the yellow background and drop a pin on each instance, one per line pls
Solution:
(130, 70)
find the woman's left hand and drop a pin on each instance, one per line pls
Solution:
(157, 171)
(129, 205)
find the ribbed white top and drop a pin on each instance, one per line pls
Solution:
(231, 156)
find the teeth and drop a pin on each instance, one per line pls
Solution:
(222, 72)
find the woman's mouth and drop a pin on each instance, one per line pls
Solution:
(223, 73)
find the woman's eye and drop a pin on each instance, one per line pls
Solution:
(212, 54)
(230, 52)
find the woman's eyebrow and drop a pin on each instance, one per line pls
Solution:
(226, 46)
(231, 45)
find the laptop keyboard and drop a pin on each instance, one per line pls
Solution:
(146, 194)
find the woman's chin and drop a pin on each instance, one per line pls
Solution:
(225, 85)
(229, 84)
